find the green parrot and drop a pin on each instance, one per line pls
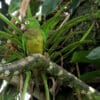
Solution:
(34, 36)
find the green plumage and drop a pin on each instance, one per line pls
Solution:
(34, 37)
(34, 41)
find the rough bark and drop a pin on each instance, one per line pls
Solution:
(37, 61)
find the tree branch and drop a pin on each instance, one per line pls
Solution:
(37, 61)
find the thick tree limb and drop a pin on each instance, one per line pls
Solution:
(37, 61)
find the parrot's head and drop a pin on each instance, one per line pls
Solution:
(31, 22)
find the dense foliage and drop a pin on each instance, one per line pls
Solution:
(73, 43)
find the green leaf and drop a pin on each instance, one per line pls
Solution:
(80, 57)
(52, 22)
(94, 54)
(2, 47)
(49, 6)
(87, 33)
(15, 41)
(34, 5)
(15, 4)
(89, 75)
(6, 20)
(14, 56)
(5, 35)
(74, 5)
(24, 44)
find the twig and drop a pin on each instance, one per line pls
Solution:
(65, 20)
(23, 8)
